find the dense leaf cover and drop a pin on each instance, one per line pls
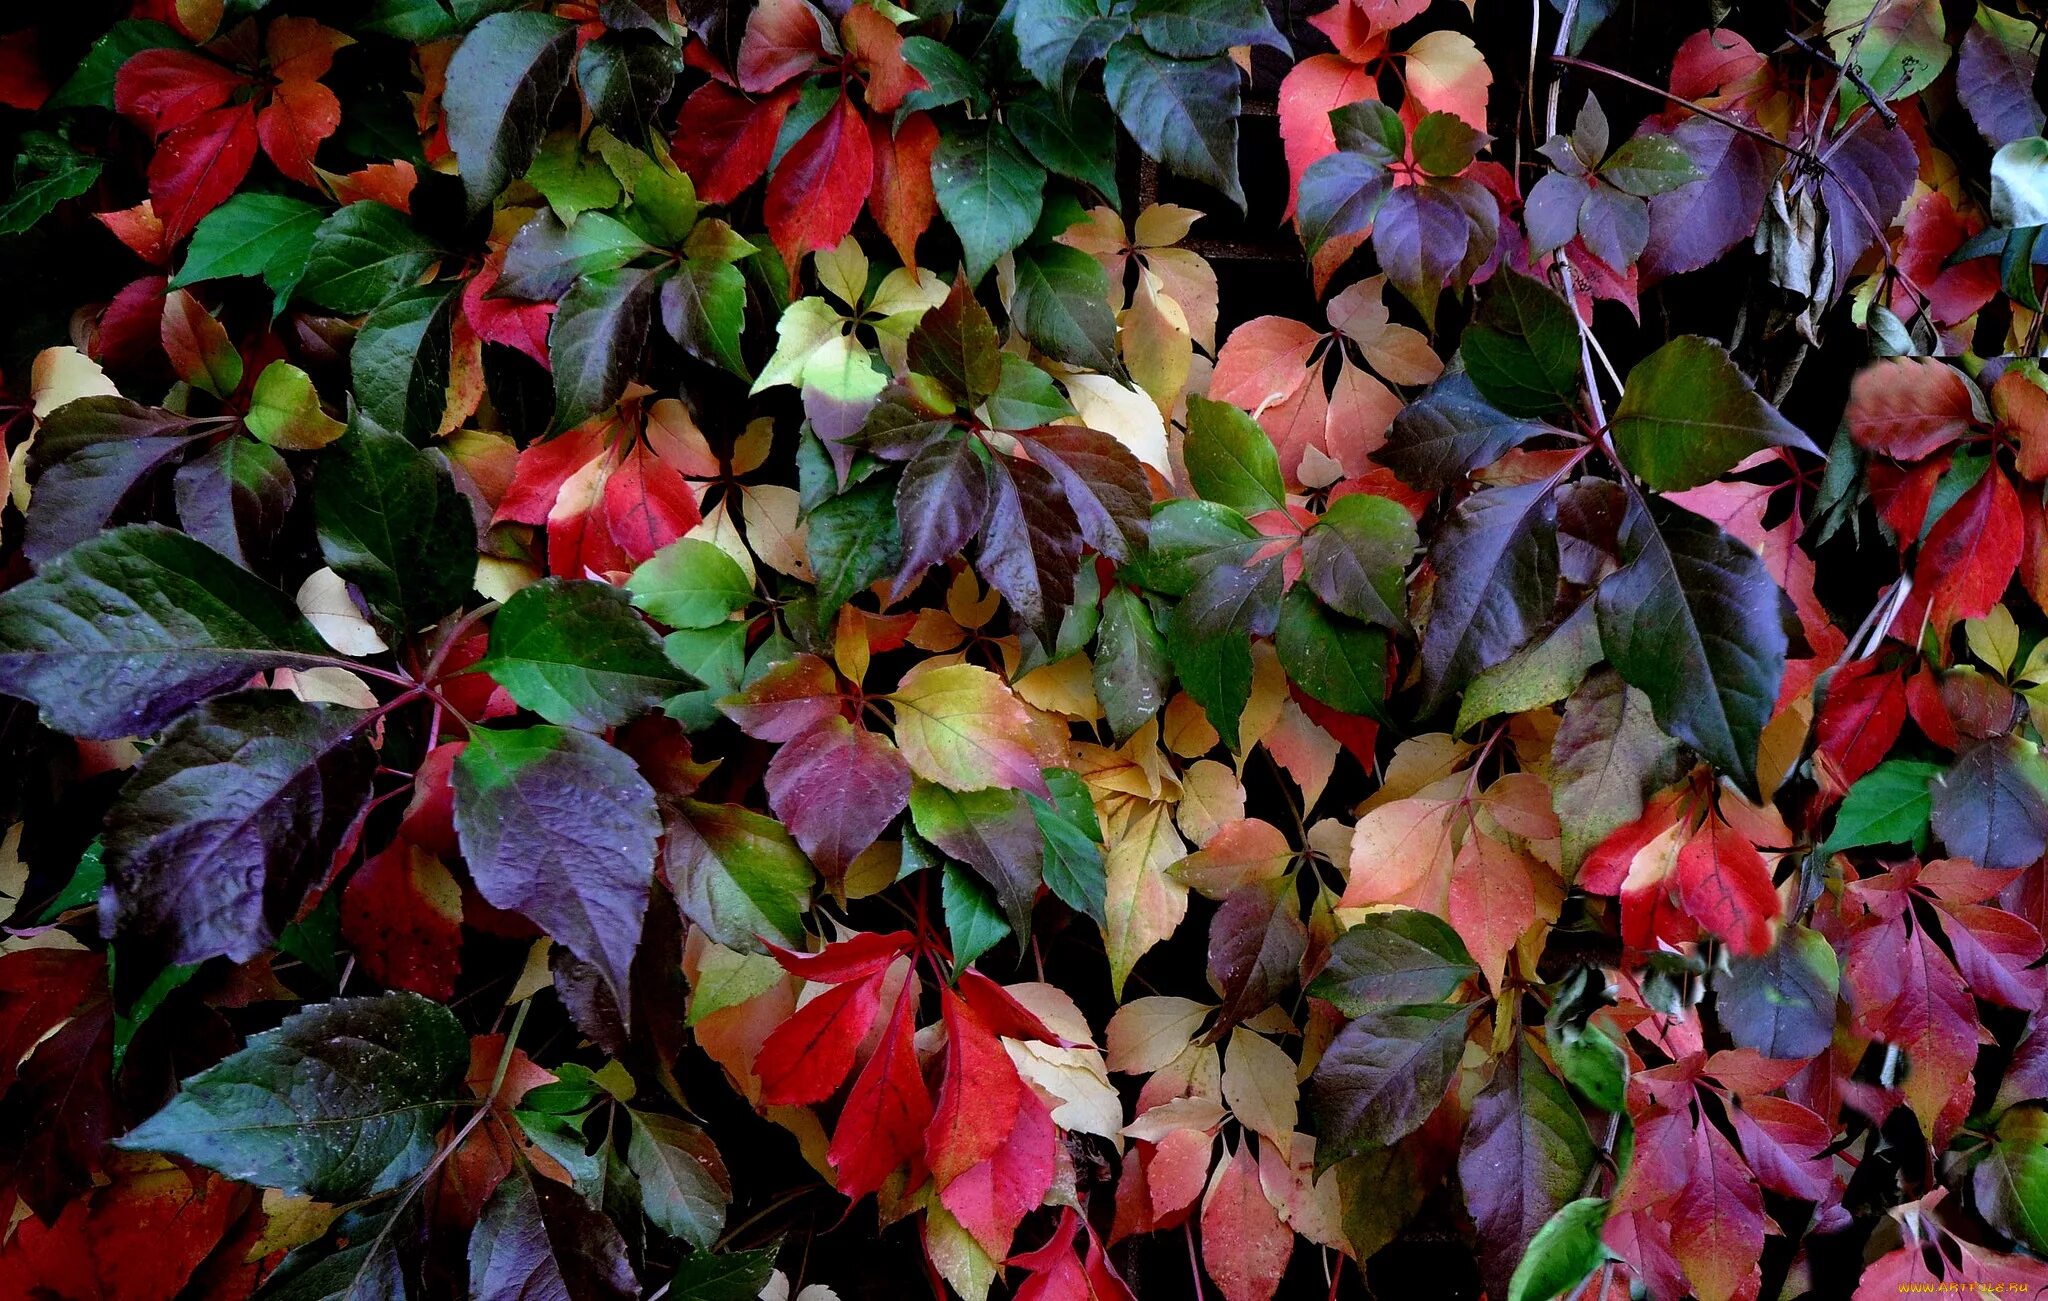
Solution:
(688, 648)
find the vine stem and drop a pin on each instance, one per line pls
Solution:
(1568, 278)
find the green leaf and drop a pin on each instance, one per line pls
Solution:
(990, 190)
(994, 832)
(1181, 112)
(574, 652)
(595, 341)
(974, 921)
(690, 583)
(626, 77)
(341, 1101)
(361, 256)
(1356, 559)
(1341, 194)
(683, 1184)
(1564, 1253)
(268, 235)
(1649, 165)
(285, 411)
(1195, 29)
(502, 86)
(1073, 843)
(228, 821)
(853, 542)
(1688, 416)
(738, 875)
(1339, 662)
(1537, 675)
(1077, 142)
(546, 257)
(948, 77)
(122, 632)
(392, 521)
(1889, 805)
(1522, 349)
(956, 344)
(47, 171)
(1607, 757)
(1445, 144)
(91, 85)
(1382, 1076)
(1231, 460)
(704, 308)
(398, 364)
(1898, 53)
(2010, 1183)
(728, 1276)
(1393, 959)
(1187, 539)
(1694, 620)
(1058, 40)
(560, 828)
(420, 21)
(571, 179)
(1061, 303)
(1027, 398)
(1131, 669)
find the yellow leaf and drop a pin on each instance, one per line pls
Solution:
(1994, 639)
(1147, 1033)
(959, 726)
(1143, 905)
(1401, 853)
(1259, 1085)
(323, 598)
(1124, 414)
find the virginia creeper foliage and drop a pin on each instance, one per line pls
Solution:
(1074, 650)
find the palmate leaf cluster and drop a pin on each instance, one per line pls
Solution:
(707, 650)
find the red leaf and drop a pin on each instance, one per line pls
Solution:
(820, 185)
(542, 470)
(402, 914)
(166, 89)
(647, 504)
(138, 1239)
(788, 700)
(808, 1056)
(1909, 407)
(724, 140)
(1000, 1011)
(299, 116)
(1717, 1221)
(901, 197)
(992, 1197)
(882, 1125)
(1863, 714)
(876, 45)
(1904, 991)
(1726, 885)
(139, 229)
(782, 41)
(198, 165)
(865, 954)
(979, 1100)
(22, 84)
(131, 329)
(1969, 557)
(1244, 1244)
(508, 321)
(837, 787)
(40, 989)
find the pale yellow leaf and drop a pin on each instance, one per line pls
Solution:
(770, 513)
(1211, 796)
(1147, 1033)
(323, 598)
(1142, 903)
(1259, 1085)
(1124, 414)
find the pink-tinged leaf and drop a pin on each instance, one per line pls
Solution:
(783, 40)
(788, 700)
(837, 787)
(991, 1198)
(139, 229)
(1786, 1145)
(1726, 885)
(1934, 232)
(809, 1055)
(162, 90)
(819, 187)
(1244, 1245)
(1969, 557)
(1056, 1274)
(1497, 894)
(1175, 1174)
(1717, 1224)
(508, 321)
(979, 1100)
(1904, 991)
(862, 956)
(882, 1125)
(1310, 90)
(402, 914)
(198, 165)
(1447, 74)
(901, 197)
(1710, 61)
(1996, 953)
(724, 140)
(1863, 714)
(1909, 407)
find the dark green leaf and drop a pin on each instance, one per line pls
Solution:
(399, 361)
(545, 257)
(91, 85)
(703, 307)
(1393, 959)
(502, 87)
(1382, 1076)
(626, 78)
(1181, 112)
(737, 874)
(341, 1101)
(992, 831)
(119, 634)
(1061, 303)
(392, 522)
(1057, 40)
(1496, 566)
(974, 920)
(1449, 431)
(853, 542)
(730, 1276)
(1339, 662)
(595, 342)
(1077, 142)
(1231, 460)
(1687, 416)
(1693, 619)
(1073, 843)
(683, 1184)
(268, 235)
(361, 256)
(1196, 29)
(1522, 349)
(1132, 673)
(1356, 559)
(956, 344)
